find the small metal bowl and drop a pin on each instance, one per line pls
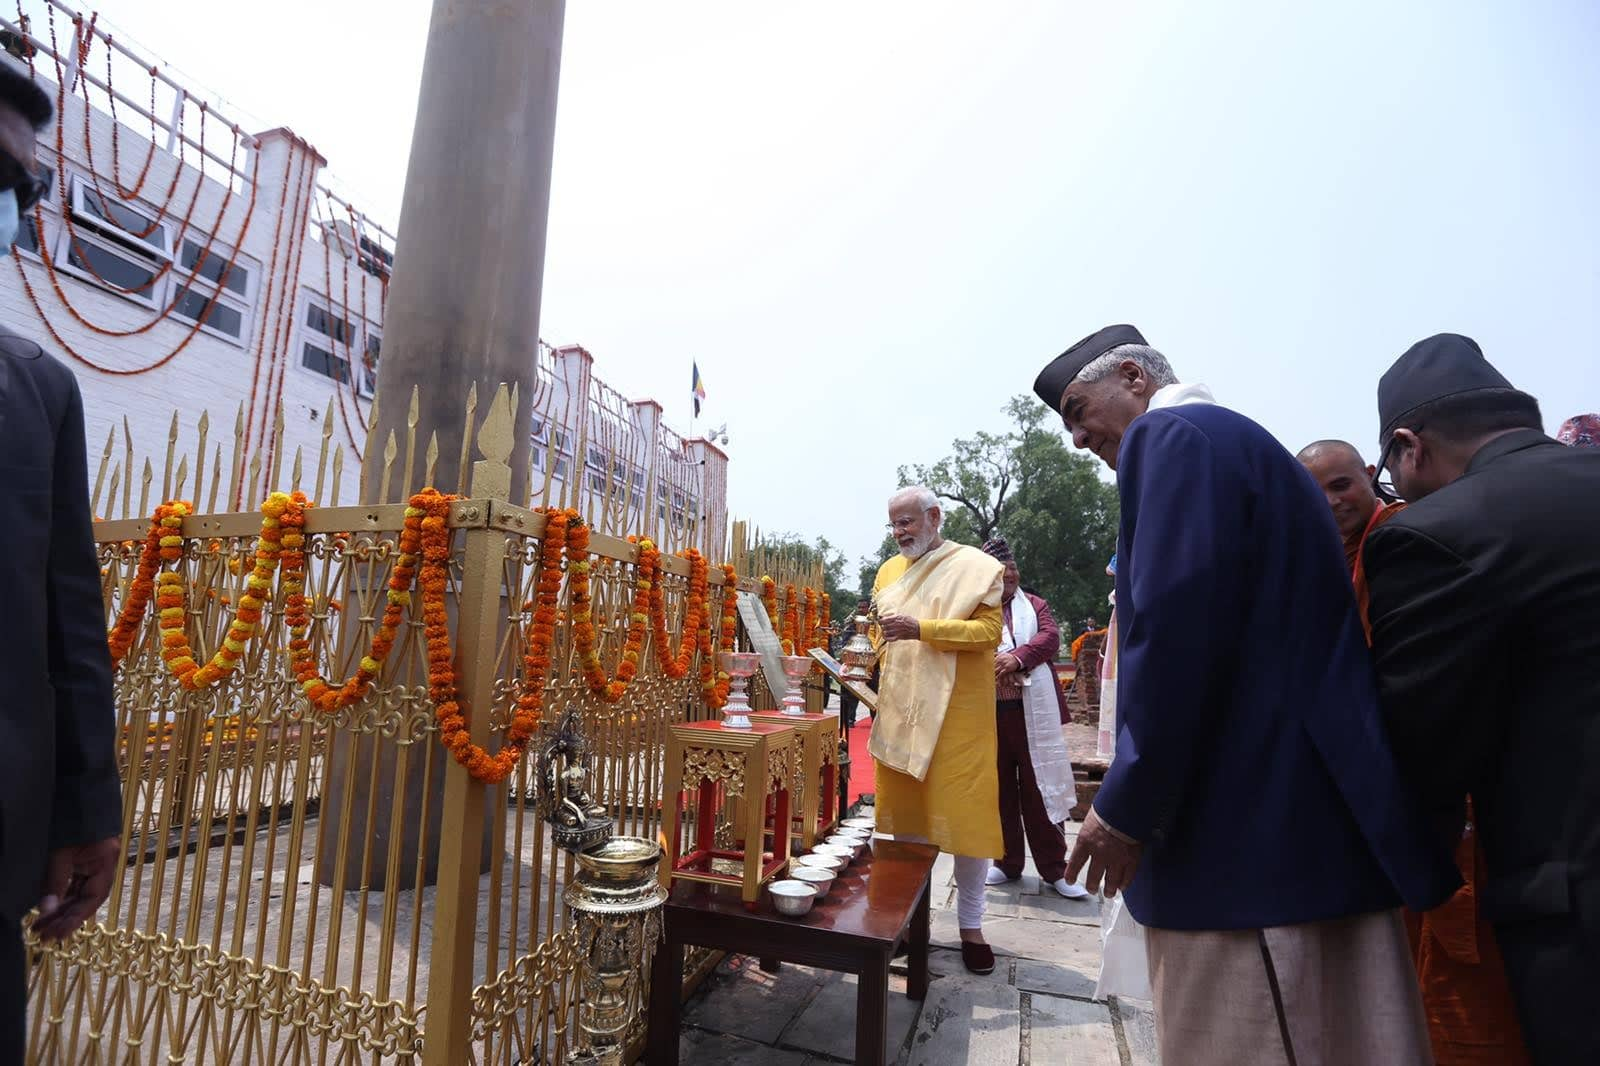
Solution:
(853, 834)
(860, 823)
(847, 854)
(855, 844)
(818, 877)
(792, 898)
(834, 863)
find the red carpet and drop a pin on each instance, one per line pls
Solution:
(860, 761)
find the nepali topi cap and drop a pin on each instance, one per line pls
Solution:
(1444, 365)
(1054, 379)
(997, 547)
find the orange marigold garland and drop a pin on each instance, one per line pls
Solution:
(583, 632)
(175, 648)
(824, 620)
(430, 509)
(546, 615)
(791, 620)
(769, 598)
(808, 628)
(324, 696)
(677, 666)
(164, 543)
(714, 682)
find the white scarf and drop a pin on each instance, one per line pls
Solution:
(1047, 746)
(1181, 393)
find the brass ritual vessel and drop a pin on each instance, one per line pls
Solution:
(614, 905)
(858, 655)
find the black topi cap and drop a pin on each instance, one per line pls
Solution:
(1446, 364)
(1054, 379)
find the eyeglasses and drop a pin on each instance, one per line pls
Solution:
(900, 525)
(1384, 487)
(30, 187)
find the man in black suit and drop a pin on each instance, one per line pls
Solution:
(1485, 597)
(60, 796)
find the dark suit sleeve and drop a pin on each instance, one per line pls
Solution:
(88, 792)
(1185, 571)
(1436, 645)
(1045, 643)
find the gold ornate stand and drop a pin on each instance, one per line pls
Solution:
(818, 803)
(761, 768)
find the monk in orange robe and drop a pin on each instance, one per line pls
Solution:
(1472, 1020)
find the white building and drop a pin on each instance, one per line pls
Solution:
(181, 263)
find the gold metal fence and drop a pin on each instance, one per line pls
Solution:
(303, 887)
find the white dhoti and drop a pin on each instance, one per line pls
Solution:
(1335, 993)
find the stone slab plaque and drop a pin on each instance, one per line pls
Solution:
(764, 640)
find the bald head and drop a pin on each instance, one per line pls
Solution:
(1345, 480)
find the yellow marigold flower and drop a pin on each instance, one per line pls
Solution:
(172, 612)
(171, 542)
(581, 567)
(248, 602)
(399, 597)
(370, 665)
(234, 646)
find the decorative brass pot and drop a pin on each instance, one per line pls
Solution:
(615, 909)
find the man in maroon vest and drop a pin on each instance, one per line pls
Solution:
(1036, 789)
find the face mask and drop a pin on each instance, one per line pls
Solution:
(9, 220)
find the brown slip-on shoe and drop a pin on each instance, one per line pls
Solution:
(977, 958)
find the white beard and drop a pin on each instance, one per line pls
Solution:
(919, 546)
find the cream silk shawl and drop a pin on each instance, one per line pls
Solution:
(917, 680)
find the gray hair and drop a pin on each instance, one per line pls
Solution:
(925, 499)
(1155, 365)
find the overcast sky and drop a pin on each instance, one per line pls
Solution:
(905, 209)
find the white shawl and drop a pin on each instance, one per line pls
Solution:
(1047, 746)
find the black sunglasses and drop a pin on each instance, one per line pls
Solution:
(30, 187)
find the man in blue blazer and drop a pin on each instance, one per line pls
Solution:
(1253, 813)
(60, 796)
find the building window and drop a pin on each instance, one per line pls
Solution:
(561, 468)
(319, 319)
(116, 221)
(324, 362)
(374, 259)
(211, 265)
(222, 308)
(209, 310)
(108, 265)
(638, 483)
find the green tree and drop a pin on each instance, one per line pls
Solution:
(1047, 501)
(842, 597)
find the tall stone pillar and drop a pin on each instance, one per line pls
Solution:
(462, 309)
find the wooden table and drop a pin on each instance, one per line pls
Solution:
(877, 904)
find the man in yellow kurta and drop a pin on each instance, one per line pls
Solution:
(934, 738)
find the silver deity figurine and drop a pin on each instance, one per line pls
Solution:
(577, 821)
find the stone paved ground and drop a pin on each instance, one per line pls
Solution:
(1035, 1008)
